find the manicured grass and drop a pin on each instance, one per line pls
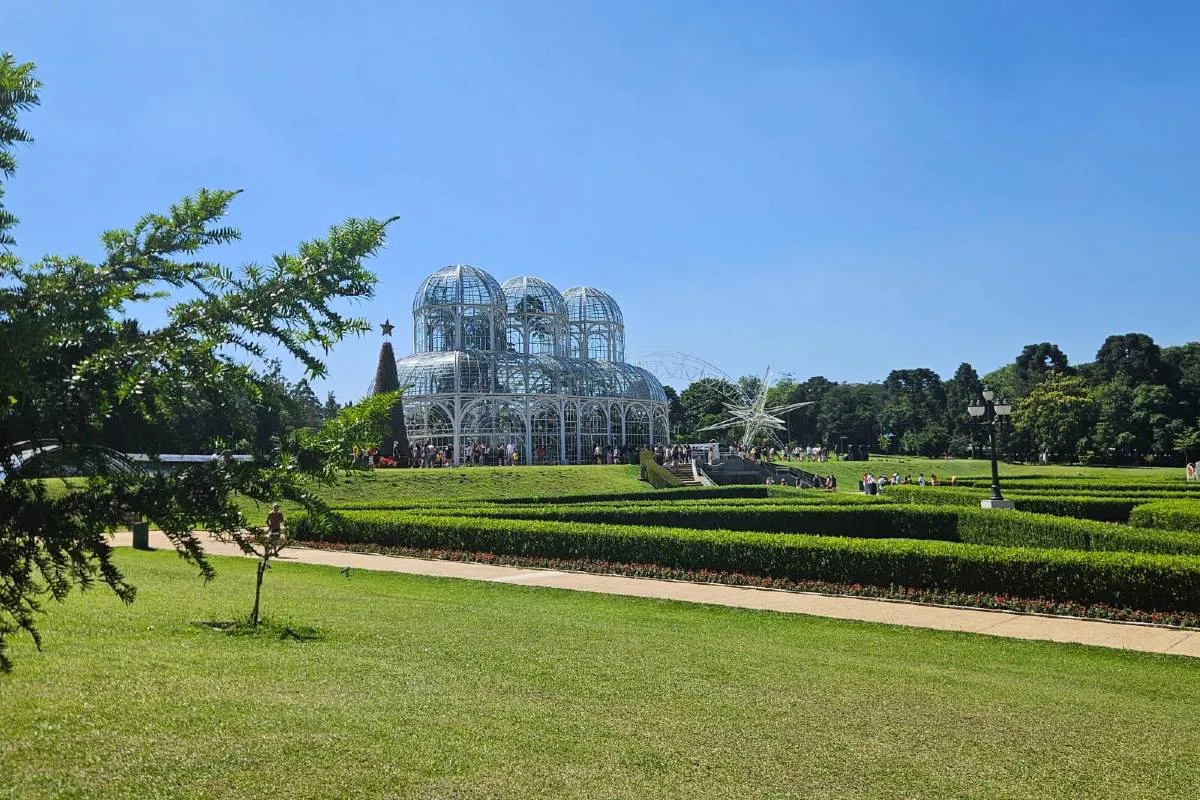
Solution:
(849, 472)
(473, 483)
(433, 688)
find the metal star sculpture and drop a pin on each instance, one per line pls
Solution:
(387, 327)
(754, 417)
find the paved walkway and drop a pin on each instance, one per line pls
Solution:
(992, 623)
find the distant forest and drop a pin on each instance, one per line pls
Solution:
(1134, 403)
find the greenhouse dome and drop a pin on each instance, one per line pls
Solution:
(521, 364)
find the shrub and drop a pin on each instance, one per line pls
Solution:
(678, 493)
(1168, 514)
(883, 520)
(1100, 509)
(657, 475)
(1150, 582)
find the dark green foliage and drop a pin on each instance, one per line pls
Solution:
(1150, 582)
(387, 380)
(1179, 515)
(1100, 509)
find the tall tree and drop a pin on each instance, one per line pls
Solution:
(69, 361)
(1036, 362)
(961, 391)
(675, 410)
(1130, 358)
(704, 404)
(395, 440)
(1056, 415)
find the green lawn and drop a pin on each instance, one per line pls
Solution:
(849, 472)
(448, 689)
(471, 483)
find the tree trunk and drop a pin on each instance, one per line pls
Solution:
(262, 567)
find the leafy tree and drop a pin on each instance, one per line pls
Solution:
(675, 409)
(704, 404)
(1056, 414)
(961, 391)
(331, 407)
(850, 411)
(915, 401)
(70, 360)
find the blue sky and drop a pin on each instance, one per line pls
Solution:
(828, 188)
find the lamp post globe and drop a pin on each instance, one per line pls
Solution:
(990, 413)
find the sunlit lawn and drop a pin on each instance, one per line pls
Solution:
(849, 472)
(437, 688)
(469, 483)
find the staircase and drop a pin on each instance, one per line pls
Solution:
(683, 471)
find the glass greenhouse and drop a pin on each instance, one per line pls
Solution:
(522, 364)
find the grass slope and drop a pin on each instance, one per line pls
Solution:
(435, 688)
(474, 483)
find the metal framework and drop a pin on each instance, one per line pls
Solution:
(495, 365)
(754, 418)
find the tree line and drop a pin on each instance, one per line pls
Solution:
(1134, 403)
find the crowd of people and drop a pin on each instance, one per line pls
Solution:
(869, 483)
(426, 455)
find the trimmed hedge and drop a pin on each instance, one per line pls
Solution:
(657, 475)
(1099, 509)
(881, 520)
(1168, 514)
(678, 493)
(1097, 484)
(1149, 582)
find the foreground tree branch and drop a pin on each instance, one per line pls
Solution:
(72, 357)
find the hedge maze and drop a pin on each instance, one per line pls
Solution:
(1085, 546)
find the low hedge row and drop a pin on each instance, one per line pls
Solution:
(679, 493)
(1141, 581)
(1094, 484)
(880, 520)
(1099, 509)
(1183, 515)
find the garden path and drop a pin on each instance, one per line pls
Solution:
(1099, 633)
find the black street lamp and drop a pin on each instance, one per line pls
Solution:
(990, 413)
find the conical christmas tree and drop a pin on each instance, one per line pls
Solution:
(386, 380)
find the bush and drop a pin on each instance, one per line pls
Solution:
(1168, 514)
(1093, 484)
(1149, 582)
(1100, 509)
(1024, 529)
(883, 520)
(678, 493)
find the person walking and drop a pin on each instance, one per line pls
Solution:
(275, 522)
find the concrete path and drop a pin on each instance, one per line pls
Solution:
(1126, 636)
